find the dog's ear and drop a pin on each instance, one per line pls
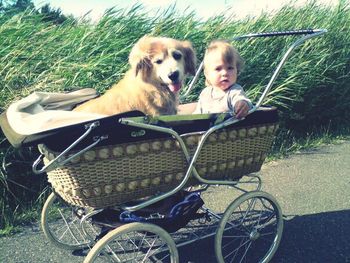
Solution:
(139, 57)
(144, 67)
(189, 57)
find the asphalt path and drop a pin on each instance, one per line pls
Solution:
(312, 188)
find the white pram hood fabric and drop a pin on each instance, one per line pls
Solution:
(42, 111)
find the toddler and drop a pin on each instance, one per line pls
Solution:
(222, 64)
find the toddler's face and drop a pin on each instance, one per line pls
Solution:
(218, 73)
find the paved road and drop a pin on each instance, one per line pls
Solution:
(312, 189)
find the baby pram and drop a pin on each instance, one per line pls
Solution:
(118, 182)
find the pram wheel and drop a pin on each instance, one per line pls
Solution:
(135, 242)
(62, 225)
(250, 229)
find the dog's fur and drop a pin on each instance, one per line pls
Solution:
(158, 67)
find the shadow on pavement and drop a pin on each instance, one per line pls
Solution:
(323, 237)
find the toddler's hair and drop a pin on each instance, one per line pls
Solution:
(229, 53)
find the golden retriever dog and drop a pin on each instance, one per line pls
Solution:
(151, 85)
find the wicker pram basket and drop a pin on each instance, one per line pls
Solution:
(116, 174)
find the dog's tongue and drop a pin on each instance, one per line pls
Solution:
(175, 87)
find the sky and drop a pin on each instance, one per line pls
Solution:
(202, 8)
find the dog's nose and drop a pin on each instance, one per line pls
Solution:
(173, 76)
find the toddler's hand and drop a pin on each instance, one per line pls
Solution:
(241, 109)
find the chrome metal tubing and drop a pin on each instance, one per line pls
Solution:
(309, 34)
(194, 80)
(282, 62)
(183, 147)
(59, 161)
(191, 168)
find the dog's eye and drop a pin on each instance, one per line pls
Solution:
(177, 55)
(158, 61)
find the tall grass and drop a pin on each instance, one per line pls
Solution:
(312, 90)
(40, 56)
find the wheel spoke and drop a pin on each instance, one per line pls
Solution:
(62, 226)
(157, 250)
(245, 252)
(241, 222)
(268, 234)
(235, 251)
(69, 227)
(149, 250)
(229, 243)
(113, 257)
(232, 236)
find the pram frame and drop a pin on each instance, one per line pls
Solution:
(146, 122)
(149, 123)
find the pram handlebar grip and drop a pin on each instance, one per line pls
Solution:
(282, 33)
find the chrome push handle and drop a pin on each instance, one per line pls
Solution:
(297, 43)
(309, 33)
